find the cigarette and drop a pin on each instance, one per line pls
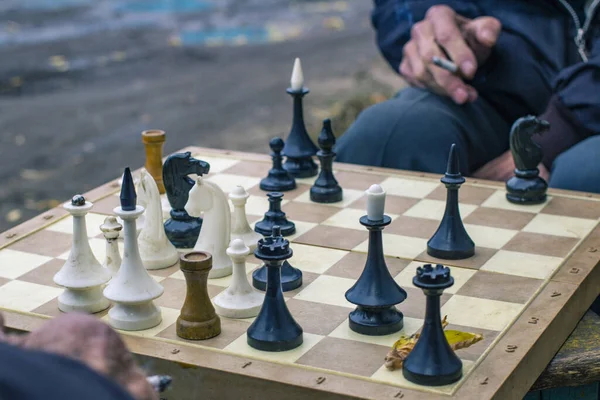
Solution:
(159, 382)
(445, 64)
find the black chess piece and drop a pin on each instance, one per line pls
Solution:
(451, 240)
(274, 329)
(182, 229)
(299, 148)
(326, 188)
(527, 187)
(128, 196)
(376, 293)
(278, 180)
(274, 216)
(291, 278)
(432, 362)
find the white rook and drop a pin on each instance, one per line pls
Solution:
(375, 202)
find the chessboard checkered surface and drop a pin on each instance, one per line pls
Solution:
(519, 250)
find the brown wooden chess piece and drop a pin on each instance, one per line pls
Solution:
(198, 319)
(153, 142)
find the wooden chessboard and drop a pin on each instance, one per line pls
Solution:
(532, 278)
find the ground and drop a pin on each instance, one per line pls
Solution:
(80, 79)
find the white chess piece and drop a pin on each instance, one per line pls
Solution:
(215, 234)
(111, 229)
(155, 249)
(297, 81)
(240, 228)
(239, 300)
(132, 290)
(82, 276)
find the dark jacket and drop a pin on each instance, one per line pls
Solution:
(535, 68)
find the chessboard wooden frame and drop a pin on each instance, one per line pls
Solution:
(508, 370)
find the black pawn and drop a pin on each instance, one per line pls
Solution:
(326, 188)
(274, 216)
(278, 180)
(527, 187)
(299, 148)
(182, 229)
(375, 292)
(451, 240)
(291, 278)
(274, 329)
(128, 196)
(432, 362)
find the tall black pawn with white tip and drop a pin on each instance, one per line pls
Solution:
(375, 293)
(326, 188)
(432, 362)
(274, 329)
(527, 186)
(278, 179)
(451, 240)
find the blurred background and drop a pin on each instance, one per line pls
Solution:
(80, 80)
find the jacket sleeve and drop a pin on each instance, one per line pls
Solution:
(393, 19)
(573, 110)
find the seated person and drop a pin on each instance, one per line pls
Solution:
(515, 57)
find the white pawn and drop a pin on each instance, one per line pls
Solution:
(111, 229)
(239, 300)
(132, 290)
(215, 234)
(82, 276)
(156, 250)
(240, 228)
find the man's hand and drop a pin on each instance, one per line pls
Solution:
(502, 169)
(90, 341)
(468, 43)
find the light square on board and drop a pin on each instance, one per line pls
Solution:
(352, 265)
(414, 305)
(570, 207)
(328, 289)
(50, 309)
(460, 275)
(347, 356)
(499, 218)
(15, 263)
(343, 331)
(467, 194)
(256, 205)
(416, 188)
(560, 226)
(334, 237)
(480, 313)
(240, 347)
(25, 296)
(44, 243)
(231, 329)
(349, 196)
(256, 169)
(434, 209)
(98, 247)
(347, 218)
(396, 378)
(315, 259)
(492, 238)
(228, 182)
(92, 224)
(393, 204)
(356, 180)
(398, 246)
(307, 279)
(317, 318)
(495, 286)
(537, 243)
(522, 264)
(498, 200)
(217, 164)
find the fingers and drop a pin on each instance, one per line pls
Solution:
(482, 34)
(412, 67)
(448, 35)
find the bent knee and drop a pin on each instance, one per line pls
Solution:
(578, 168)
